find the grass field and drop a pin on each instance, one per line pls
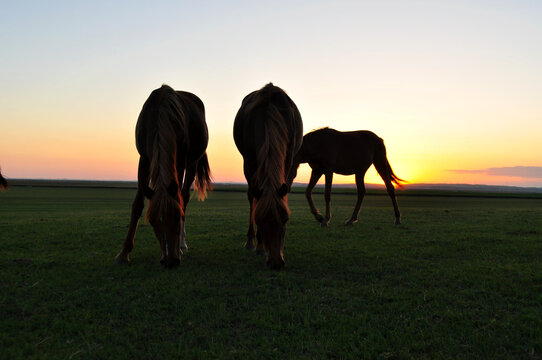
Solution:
(461, 278)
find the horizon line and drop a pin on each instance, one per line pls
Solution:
(406, 186)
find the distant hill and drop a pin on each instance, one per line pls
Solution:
(240, 186)
(470, 187)
(445, 187)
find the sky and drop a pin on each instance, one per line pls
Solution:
(453, 87)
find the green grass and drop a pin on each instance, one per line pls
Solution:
(461, 278)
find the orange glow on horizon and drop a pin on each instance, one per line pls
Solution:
(118, 161)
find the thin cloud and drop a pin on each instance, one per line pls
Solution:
(526, 172)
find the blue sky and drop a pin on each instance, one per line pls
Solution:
(449, 85)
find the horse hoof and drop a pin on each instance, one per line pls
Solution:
(170, 264)
(324, 224)
(276, 265)
(350, 222)
(397, 221)
(249, 246)
(261, 253)
(122, 260)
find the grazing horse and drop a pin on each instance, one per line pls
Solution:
(330, 151)
(268, 132)
(3, 182)
(171, 138)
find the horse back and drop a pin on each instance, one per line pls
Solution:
(344, 153)
(249, 130)
(198, 133)
(192, 103)
(191, 137)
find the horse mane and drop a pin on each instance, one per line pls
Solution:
(270, 173)
(170, 121)
(323, 129)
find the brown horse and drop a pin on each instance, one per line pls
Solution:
(330, 151)
(3, 182)
(171, 138)
(268, 132)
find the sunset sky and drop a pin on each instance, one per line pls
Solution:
(453, 87)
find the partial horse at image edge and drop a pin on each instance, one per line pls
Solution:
(329, 151)
(3, 182)
(171, 138)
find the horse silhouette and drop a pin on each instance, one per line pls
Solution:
(330, 151)
(268, 131)
(171, 138)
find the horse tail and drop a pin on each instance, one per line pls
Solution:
(272, 153)
(395, 179)
(164, 180)
(3, 182)
(383, 166)
(203, 181)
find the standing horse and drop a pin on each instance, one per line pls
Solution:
(268, 132)
(3, 182)
(171, 138)
(330, 151)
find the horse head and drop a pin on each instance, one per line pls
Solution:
(271, 215)
(165, 216)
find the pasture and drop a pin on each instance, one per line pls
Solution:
(460, 278)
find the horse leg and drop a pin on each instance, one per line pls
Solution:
(391, 193)
(137, 208)
(360, 184)
(315, 175)
(327, 198)
(185, 194)
(383, 168)
(260, 249)
(251, 234)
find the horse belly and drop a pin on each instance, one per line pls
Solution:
(351, 164)
(344, 171)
